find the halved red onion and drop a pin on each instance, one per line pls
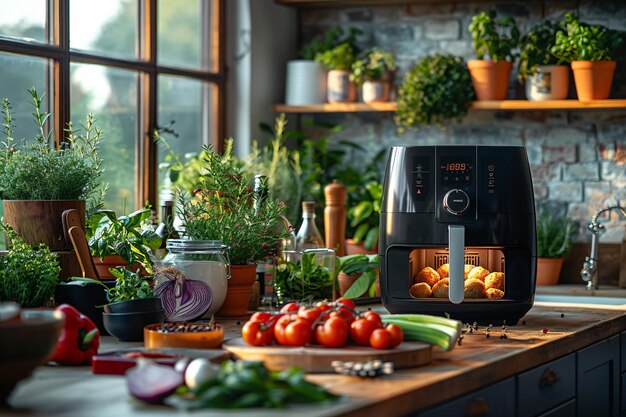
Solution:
(151, 382)
(184, 299)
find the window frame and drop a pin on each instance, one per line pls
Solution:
(57, 50)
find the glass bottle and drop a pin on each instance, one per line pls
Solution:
(165, 230)
(308, 236)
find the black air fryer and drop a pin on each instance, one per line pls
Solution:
(457, 232)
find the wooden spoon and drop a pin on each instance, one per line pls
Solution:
(79, 241)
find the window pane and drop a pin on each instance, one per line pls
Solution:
(104, 27)
(181, 101)
(111, 94)
(24, 19)
(180, 33)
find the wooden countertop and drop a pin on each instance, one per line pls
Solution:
(479, 361)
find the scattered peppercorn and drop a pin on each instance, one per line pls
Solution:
(545, 330)
(185, 327)
(562, 315)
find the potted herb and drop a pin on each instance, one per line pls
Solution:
(38, 181)
(28, 274)
(305, 276)
(374, 72)
(495, 40)
(591, 50)
(358, 276)
(437, 89)
(116, 241)
(545, 80)
(555, 236)
(223, 209)
(363, 218)
(338, 61)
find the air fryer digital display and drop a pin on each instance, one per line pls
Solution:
(456, 171)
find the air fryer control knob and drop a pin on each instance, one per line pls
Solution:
(456, 201)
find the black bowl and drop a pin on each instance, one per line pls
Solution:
(128, 327)
(86, 298)
(134, 306)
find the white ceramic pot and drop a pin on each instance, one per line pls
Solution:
(550, 82)
(375, 91)
(340, 88)
(306, 83)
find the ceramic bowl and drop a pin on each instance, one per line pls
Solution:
(27, 342)
(134, 306)
(191, 335)
(128, 327)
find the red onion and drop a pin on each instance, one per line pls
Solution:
(183, 299)
(151, 382)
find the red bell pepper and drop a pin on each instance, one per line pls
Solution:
(79, 340)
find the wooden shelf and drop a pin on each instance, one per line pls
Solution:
(352, 3)
(507, 105)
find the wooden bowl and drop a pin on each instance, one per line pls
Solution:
(153, 338)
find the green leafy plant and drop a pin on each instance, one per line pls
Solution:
(555, 235)
(38, 171)
(367, 267)
(304, 280)
(495, 39)
(364, 214)
(128, 286)
(123, 236)
(328, 41)
(439, 88)
(28, 275)
(582, 42)
(222, 209)
(340, 57)
(373, 64)
(535, 48)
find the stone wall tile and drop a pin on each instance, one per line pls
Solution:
(559, 153)
(583, 171)
(597, 191)
(565, 191)
(442, 29)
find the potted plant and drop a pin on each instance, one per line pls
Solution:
(374, 72)
(358, 276)
(223, 209)
(363, 218)
(117, 241)
(338, 61)
(304, 276)
(28, 274)
(495, 40)
(38, 181)
(554, 240)
(545, 79)
(437, 89)
(591, 51)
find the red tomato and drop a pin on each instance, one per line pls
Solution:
(333, 332)
(262, 316)
(374, 317)
(346, 309)
(256, 333)
(397, 335)
(361, 330)
(324, 306)
(289, 307)
(310, 314)
(291, 330)
(381, 339)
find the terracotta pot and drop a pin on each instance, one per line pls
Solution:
(346, 281)
(549, 82)
(548, 270)
(39, 221)
(239, 291)
(358, 248)
(593, 79)
(113, 261)
(340, 88)
(490, 78)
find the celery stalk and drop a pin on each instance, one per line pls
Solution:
(429, 329)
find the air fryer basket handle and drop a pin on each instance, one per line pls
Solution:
(456, 248)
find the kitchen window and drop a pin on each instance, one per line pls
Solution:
(135, 64)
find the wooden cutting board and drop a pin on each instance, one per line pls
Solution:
(319, 358)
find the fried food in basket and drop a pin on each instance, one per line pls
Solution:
(420, 290)
(474, 288)
(440, 289)
(495, 280)
(444, 271)
(494, 293)
(478, 273)
(427, 275)
(466, 270)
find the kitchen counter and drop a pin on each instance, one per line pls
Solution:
(547, 332)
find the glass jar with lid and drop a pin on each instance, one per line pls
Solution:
(203, 260)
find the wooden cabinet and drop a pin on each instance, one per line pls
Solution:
(597, 378)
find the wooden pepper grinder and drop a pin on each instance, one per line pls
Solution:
(335, 217)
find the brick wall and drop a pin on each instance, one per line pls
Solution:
(578, 158)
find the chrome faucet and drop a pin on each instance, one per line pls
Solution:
(589, 273)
